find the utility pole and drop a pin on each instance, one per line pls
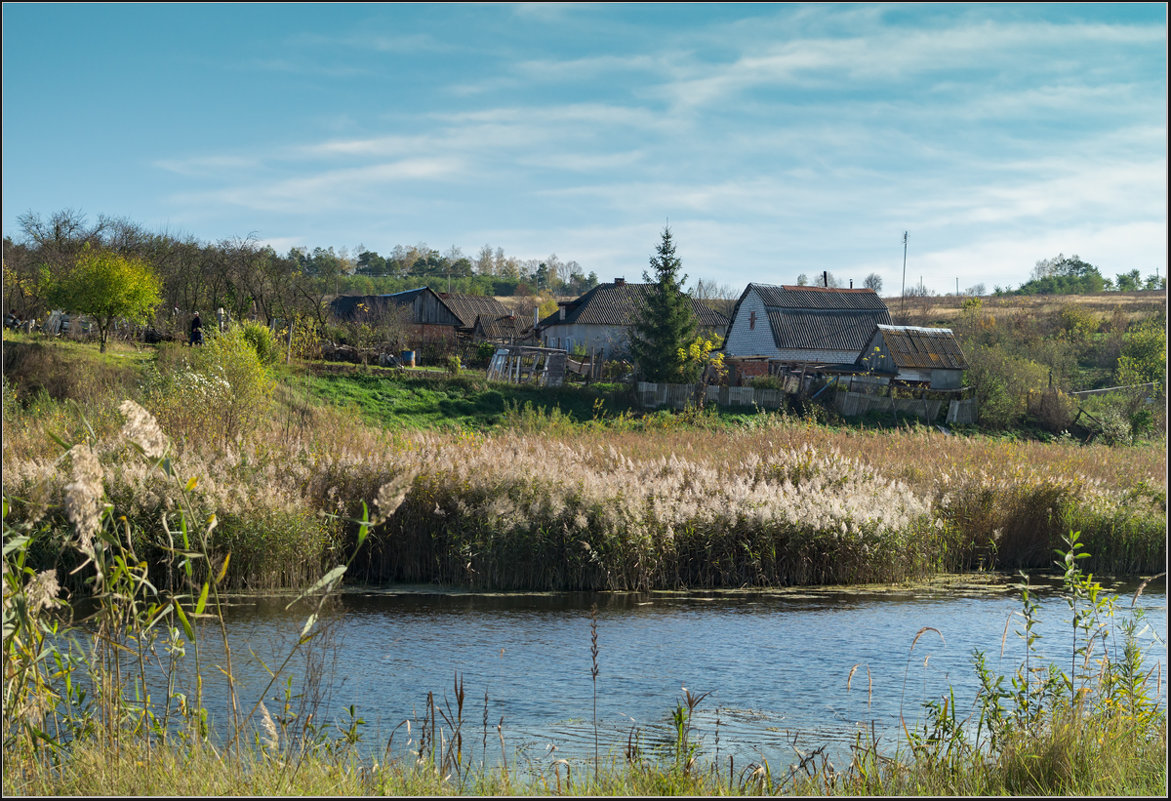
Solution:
(903, 305)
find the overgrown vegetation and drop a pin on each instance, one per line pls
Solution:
(81, 715)
(568, 489)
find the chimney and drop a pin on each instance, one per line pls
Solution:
(851, 283)
(619, 282)
(825, 278)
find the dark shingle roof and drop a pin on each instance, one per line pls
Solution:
(468, 307)
(616, 304)
(936, 348)
(817, 317)
(822, 329)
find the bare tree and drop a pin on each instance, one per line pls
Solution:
(720, 297)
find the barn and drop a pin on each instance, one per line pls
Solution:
(428, 314)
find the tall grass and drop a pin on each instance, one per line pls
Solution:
(557, 501)
(112, 685)
(583, 508)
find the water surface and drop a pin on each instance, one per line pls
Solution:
(817, 664)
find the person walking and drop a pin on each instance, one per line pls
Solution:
(196, 330)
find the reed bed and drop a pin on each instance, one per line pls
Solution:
(775, 503)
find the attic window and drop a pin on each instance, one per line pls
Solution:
(752, 321)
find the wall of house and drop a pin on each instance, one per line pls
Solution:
(610, 341)
(746, 338)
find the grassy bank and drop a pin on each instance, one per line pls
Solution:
(572, 494)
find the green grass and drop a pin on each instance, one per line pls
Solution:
(440, 401)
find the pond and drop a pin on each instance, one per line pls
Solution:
(775, 669)
(817, 664)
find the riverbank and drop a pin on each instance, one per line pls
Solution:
(777, 503)
(1106, 760)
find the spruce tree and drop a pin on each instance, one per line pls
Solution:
(665, 322)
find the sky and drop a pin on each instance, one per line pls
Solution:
(773, 139)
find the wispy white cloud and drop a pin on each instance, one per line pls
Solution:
(202, 165)
(331, 189)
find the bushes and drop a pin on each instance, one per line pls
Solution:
(1002, 382)
(262, 341)
(213, 392)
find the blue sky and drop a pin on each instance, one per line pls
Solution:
(776, 139)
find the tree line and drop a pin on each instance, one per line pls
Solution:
(247, 278)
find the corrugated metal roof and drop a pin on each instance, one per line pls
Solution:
(911, 346)
(826, 329)
(616, 304)
(468, 307)
(817, 297)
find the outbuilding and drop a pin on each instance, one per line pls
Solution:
(927, 356)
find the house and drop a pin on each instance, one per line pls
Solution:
(600, 320)
(926, 356)
(803, 324)
(427, 314)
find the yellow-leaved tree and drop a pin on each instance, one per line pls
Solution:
(108, 287)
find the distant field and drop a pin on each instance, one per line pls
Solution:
(941, 310)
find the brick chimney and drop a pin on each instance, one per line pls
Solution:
(619, 282)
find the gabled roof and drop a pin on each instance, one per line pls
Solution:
(468, 307)
(913, 347)
(617, 303)
(816, 297)
(506, 327)
(814, 317)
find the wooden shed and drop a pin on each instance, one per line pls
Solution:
(926, 356)
(600, 320)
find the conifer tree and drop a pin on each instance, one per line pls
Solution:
(665, 323)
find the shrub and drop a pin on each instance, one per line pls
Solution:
(215, 391)
(1002, 382)
(1053, 409)
(262, 341)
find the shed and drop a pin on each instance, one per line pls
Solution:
(930, 356)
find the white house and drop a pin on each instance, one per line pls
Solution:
(804, 323)
(600, 320)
